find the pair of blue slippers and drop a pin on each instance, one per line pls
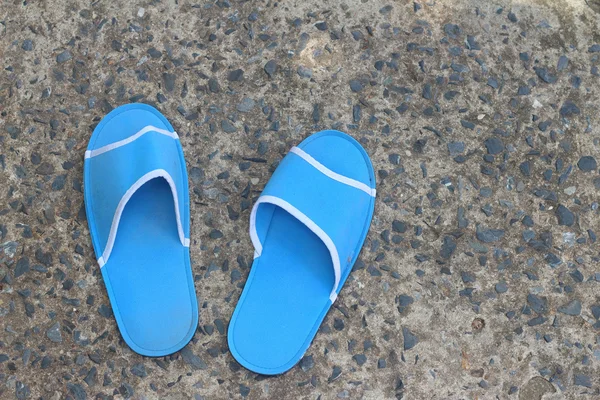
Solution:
(307, 228)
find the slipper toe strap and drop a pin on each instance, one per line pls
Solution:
(330, 205)
(118, 170)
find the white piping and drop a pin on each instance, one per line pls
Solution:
(309, 224)
(142, 132)
(157, 173)
(333, 175)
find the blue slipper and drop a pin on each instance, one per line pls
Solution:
(307, 228)
(136, 200)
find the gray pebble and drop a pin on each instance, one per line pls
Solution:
(563, 62)
(22, 391)
(138, 370)
(580, 379)
(448, 247)
(64, 57)
(356, 85)
(572, 308)
(27, 45)
(169, 81)
(386, 9)
(453, 31)
(456, 148)
(486, 235)
(53, 333)
(467, 124)
(126, 390)
(246, 105)
(537, 303)
(227, 126)
(304, 72)
(595, 48)
(501, 287)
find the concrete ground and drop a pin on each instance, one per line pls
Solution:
(480, 276)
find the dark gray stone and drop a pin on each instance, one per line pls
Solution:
(595, 48)
(487, 235)
(544, 75)
(105, 311)
(22, 267)
(271, 68)
(467, 124)
(595, 310)
(360, 359)
(537, 303)
(169, 81)
(244, 390)
(587, 164)
(227, 126)
(569, 109)
(453, 31)
(307, 363)
(322, 26)
(191, 359)
(22, 391)
(138, 370)
(77, 391)
(154, 53)
(565, 216)
(235, 75)
(448, 247)
(494, 145)
(410, 339)
(356, 85)
(399, 226)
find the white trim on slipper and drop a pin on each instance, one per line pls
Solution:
(140, 133)
(335, 258)
(157, 173)
(333, 175)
